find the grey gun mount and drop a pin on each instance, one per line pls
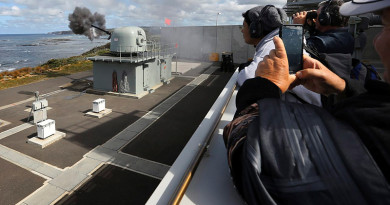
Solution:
(105, 31)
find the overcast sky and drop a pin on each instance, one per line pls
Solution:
(42, 16)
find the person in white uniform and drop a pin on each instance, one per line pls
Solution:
(261, 24)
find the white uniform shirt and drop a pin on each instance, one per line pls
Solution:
(262, 49)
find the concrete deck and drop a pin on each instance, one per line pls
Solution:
(121, 157)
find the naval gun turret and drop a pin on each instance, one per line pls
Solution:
(126, 40)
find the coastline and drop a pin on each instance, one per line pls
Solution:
(51, 69)
(31, 50)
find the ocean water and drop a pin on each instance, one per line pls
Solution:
(30, 50)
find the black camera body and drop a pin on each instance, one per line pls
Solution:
(311, 28)
(311, 15)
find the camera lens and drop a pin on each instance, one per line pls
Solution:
(311, 15)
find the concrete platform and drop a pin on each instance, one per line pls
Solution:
(47, 141)
(99, 114)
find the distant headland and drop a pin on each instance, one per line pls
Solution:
(61, 32)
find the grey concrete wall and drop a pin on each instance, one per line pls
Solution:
(198, 42)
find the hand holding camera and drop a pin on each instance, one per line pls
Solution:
(303, 17)
(299, 17)
(311, 15)
(307, 19)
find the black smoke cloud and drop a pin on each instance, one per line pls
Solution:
(81, 19)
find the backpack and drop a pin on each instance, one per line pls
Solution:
(290, 153)
(351, 68)
(364, 71)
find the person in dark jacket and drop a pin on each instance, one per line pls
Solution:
(259, 172)
(331, 35)
(367, 113)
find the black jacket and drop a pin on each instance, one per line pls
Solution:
(333, 41)
(367, 113)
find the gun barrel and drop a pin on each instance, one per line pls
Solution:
(105, 31)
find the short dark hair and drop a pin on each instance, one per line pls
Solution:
(333, 8)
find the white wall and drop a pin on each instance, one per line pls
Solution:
(198, 42)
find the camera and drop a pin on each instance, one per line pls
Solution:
(309, 24)
(311, 15)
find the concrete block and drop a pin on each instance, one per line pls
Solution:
(47, 141)
(99, 114)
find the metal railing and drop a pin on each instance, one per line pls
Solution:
(146, 52)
